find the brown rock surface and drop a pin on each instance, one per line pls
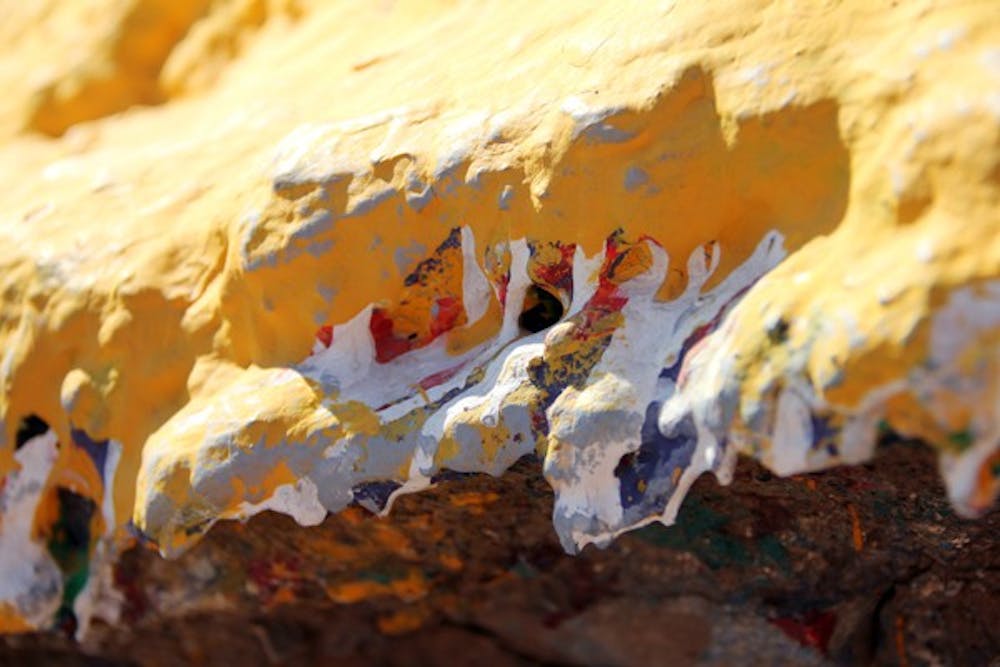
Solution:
(857, 565)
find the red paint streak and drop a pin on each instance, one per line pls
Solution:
(697, 339)
(449, 309)
(813, 629)
(271, 574)
(502, 289)
(611, 253)
(610, 249)
(686, 363)
(325, 335)
(561, 274)
(539, 422)
(650, 239)
(387, 345)
(136, 603)
(607, 298)
(440, 377)
(555, 619)
(701, 332)
(259, 572)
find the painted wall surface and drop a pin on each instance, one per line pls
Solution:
(293, 256)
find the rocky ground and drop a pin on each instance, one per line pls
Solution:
(856, 565)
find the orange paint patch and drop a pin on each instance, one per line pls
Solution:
(282, 595)
(400, 622)
(987, 483)
(451, 562)
(901, 642)
(392, 540)
(11, 621)
(474, 499)
(857, 534)
(412, 586)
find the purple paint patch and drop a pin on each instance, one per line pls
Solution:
(374, 496)
(825, 434)
(96, 449)
(648, 477)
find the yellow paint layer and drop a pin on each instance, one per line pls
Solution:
(201, 197)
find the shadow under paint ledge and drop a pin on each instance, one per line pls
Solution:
(856, 565)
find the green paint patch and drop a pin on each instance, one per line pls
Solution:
(702, 531)
(884, 506)
(69, 546)
(524, 570)
(771, 549)
(961, 440)
(379, 576)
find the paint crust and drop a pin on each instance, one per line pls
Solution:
(636, 241)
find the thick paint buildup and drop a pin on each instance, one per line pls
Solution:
(633, 241)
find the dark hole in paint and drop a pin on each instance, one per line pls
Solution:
(778, 333)
(542, 309)
(71, 531)
(30, 427)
